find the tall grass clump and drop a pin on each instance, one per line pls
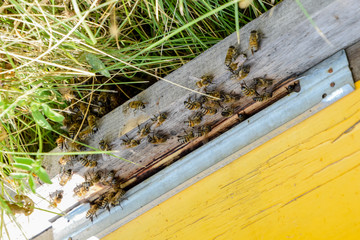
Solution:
(46, 44)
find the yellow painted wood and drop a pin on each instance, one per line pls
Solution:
(303, 184)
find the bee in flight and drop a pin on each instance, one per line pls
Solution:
(137, 105)
(254, 41)
(192, 105)
(65, 177)
(144, 131)
(87, 162)
(130, 142)
(55, 198)
(159, 119)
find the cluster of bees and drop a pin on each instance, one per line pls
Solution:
(212, 102)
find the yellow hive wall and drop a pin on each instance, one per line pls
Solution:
(299, 185)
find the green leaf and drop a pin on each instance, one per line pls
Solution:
(19, 175)
(24, 160)
(38, 117)
(51, 114)
(42, 175)
(97, 64)
(32, 184)
(22, 166)
(4, 205)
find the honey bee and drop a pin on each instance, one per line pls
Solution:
(130, 142)
(92, 123)
(86, 133)
(208, 110)
(73, 129)
(104, 200)
(192, 105)
(114, 101)
(88, 163)
(83, 108)
(202, 131)
(55, 198)
(23, 204)
(65, 177)
(213, 93)
(82, 189)
(226, 98)
(262, 97)
(230, 55)
(156, 138)
(104, 145)
(243, 72)
(61, 143)
(67, 159)
(194, 120)
(204, 81)
(116, 199)
(293, 88)
(160, 118)
(241, 117)
(227, 112)
(67, 93)
(262, 82)
(76, 146)
(99, 111)
(106, 178)
(254, 41)
(143, 132)
(137, 105)
(186, 138)
(93, 177)
(102, 99)
(247, 91)
(94, 207)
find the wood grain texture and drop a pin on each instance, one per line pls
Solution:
(290, 45)
(302, 184)
(353, 53)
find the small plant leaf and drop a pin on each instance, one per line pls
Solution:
(4, 205)
(39, 118)
(97, 64)
(32, 184)
(22, 166)
(19, 175)
(24, 160)
(51, 114)
(42, 175)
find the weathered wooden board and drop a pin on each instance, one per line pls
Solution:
(290, 45)
(353, 53)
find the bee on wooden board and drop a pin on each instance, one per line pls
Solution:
(192, 105)
(208, 110)
(94, 207)
(86, 133)
(55, 198)
(99, 110)
(228, 97)
(160, 118)
(238, 62)
(194, 120)
(137, 105)
(214, 93)
(262, 82)
(104, 145)
(61, 143)
(87, 162)
(156, 138)
(130, 142)
(204, 81)
(107, 177)
(92, 123)
(230, 55)
(144, 131)
(247, 91)
(67, 159)
(116, 199)
(262, 97)
(82, 189)
(227, 112)
(241, 117)
(241, 74)
(202, 131)
(293, 88)
(74, 128)
(76, 146)
(254, 41)
(186, 138)
(93, 176)
(65, 177)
